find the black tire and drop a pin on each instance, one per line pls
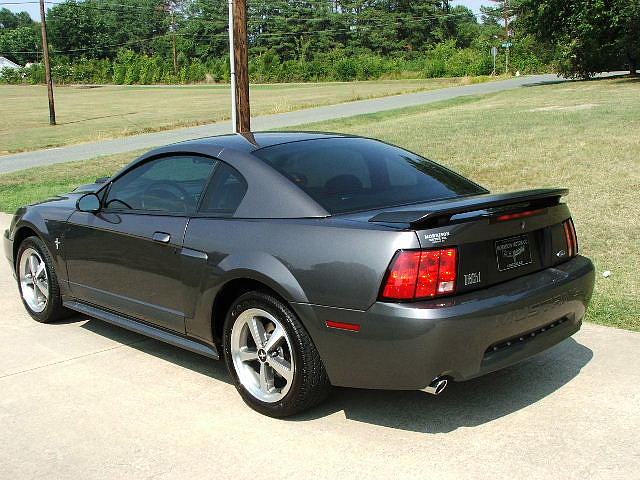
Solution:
(54, 310)
(310, 384)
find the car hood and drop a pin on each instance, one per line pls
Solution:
(88, 188)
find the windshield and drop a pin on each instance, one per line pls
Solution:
(351, 174)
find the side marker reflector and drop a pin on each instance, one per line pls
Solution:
(352, 327)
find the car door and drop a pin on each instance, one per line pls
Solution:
(207, 239)
(126, 257)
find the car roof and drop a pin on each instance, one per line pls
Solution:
(250, 142)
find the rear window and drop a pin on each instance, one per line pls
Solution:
(351, 174)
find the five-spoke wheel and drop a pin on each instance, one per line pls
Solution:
(34, 281)
(38, 282)
(261, 352)
(271, 357)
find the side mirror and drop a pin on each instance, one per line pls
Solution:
(88, 203)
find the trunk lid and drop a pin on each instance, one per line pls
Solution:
(498, 237)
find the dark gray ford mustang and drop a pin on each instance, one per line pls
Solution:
(308, 260)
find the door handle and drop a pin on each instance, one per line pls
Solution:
(161, 237)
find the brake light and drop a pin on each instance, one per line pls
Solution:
(415, 274)
(402, 276)
(512, 216)
(572, 238)
(427, 280)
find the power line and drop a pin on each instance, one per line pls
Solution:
(97, 47)
(253, 36)
(105, 5)
(83, 4)
(361, 22)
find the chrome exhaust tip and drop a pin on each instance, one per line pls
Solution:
(437, 386)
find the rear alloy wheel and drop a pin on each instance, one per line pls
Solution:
(261, 353)
(38, 282)
(271, 357)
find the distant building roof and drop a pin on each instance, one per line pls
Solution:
(6, 63)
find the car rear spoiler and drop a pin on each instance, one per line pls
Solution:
(438, 211)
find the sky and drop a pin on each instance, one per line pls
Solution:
(33, 8)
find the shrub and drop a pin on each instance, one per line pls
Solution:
(197, 72)
(183, 74)
(35, 74)
(62, 73)
(147, 70)
(9, 75)
(346, 69)
(443, 60)
(368, 67)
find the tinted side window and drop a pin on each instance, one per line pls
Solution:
(225, 192)
(168, 184)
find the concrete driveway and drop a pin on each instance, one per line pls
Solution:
(83, 399)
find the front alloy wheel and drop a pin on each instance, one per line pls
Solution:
(38, 282)
(34, 280)
(271, 357)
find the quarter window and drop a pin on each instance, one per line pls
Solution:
(168, 184)
(225, 192)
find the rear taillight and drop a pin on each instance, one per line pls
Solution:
(572, 239)
(415, 274)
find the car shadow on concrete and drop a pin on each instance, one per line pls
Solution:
(464, 404)
(178, 356)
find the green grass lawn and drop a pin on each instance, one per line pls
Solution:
(88, 114)
(581, 135)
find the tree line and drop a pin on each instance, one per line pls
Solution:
(181, 41)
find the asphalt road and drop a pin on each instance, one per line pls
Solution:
(20, 161)
(83, 399)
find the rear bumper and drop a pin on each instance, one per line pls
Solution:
(405, 346)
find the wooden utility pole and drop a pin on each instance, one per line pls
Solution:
(239, 58)
(173, 39)
(47, 64)
(506, 12)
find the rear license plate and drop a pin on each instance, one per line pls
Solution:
(513, 252)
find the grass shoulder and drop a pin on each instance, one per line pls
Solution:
(109, 111)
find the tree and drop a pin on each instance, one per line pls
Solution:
(591, 35)
(295, 29)
(462, 26)
(626, 24)
(19, 37)
(97, 28)
(10, 20)
(504, 13)
(205, 29)
(20, 45)
(73, 28)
